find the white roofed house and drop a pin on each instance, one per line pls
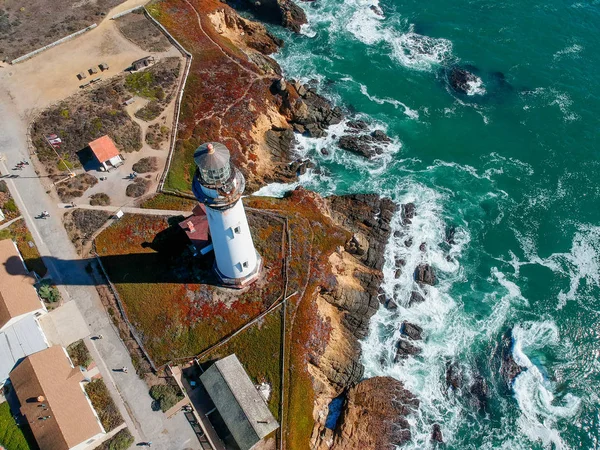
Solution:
(20, 307)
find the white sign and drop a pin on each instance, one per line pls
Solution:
(119, 214)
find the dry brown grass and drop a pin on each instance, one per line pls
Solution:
(139, 30)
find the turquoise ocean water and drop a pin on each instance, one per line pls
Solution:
(514, 167)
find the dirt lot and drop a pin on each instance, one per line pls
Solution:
(92, 114)
(138, 29)
(26, 25)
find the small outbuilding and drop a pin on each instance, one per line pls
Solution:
(81, 75)
(239, 403)
(105, 151)
(92, 70)
(142, 63)
(196, 229)
(103, 66)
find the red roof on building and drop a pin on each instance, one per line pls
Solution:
(104, 148)
(196, 228)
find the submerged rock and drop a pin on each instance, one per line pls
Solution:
(509, 369)
(424, 274)
(411, 330)
(462, 80)
(453, 375)
(408, 212)
(436, 434)
(415, 297)
(480, 392)
(404, 349)
(361, 145)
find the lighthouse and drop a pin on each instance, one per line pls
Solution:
(219, 186)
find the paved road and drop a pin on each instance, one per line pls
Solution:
(127, 209)
(52, 241)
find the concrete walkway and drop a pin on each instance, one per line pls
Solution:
(9, 223)
(63, 263)
(127, 210)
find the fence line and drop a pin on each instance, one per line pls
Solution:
(123, 313)
(175, 126)
(127, 11)
(53, 44)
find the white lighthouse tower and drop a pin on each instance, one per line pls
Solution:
(219, 185)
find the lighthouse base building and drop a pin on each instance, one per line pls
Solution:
(219, 186)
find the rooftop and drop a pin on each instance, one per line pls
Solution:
(17, 294)
(240, 405)
(104, 148)
(18, 341)
(196, 228)
(47, 378)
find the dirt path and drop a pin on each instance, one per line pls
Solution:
(52, 75)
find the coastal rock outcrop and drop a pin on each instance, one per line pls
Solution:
(375, 416)
(404, 349)
(509, 369)
(424, 274)
(282, 12)
(411, 330)
(453, 376)
(347, 302)
(368, 145)
(436, 434)
(462, 80)
(479, 392)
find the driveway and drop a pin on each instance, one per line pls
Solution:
(55, 246)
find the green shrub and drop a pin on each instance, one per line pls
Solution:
(145, 165)
(48, 292)
(166, 396)
(10, 206)
(3, 186)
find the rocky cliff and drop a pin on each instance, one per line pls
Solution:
(373, 415)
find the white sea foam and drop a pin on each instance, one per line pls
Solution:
(571, 50)
(407, 111)
(419, 52)
(475, 87)
(539, 407)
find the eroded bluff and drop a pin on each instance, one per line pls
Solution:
(373, 415)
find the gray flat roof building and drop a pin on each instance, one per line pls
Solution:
(240, 405)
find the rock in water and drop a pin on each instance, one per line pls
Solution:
(453, 375)
(374, 417)
(436, 434)
(404, 349)
(284, 12)
(408, 212)
(461, 80)
(424, 274)
(480, 392)
(509, 369)
(411, 330)
(415, 297)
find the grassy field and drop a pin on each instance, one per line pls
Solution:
(180, 313)
(172, 202)
(259, 350)
(12, 436)
(18, 232)
(170, 296)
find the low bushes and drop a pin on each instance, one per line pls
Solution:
(104, 405)
(149, 112)
(100, 199)
(165, 395)
(120, 441)
(75, 187)
(79, 354)
(138, 188)
(145, 165)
